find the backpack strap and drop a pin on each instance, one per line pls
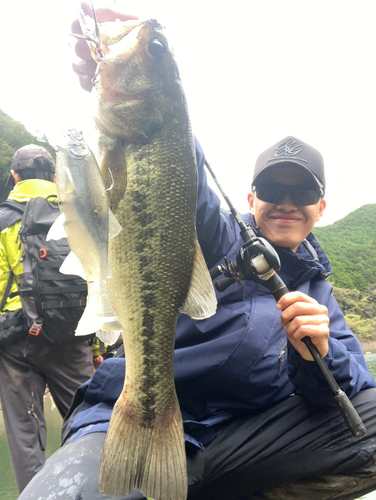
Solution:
(9, 218)
(15, 205)
(6, 291)
(10, 212)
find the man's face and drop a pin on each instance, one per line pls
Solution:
(284, 223)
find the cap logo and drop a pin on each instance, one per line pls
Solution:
(288, 149)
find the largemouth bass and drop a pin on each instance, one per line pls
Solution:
(87, 223)
(146, 142)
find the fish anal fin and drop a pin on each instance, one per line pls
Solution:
(72, 265)
(201, 301)
(114, 226)
(150, 458)
(99, 316)
(108, 337)
(57, 230)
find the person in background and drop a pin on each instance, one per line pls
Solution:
(259, 418)
(27, 365)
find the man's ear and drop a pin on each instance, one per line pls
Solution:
(16, 176)
(321, 209)
(251, 202)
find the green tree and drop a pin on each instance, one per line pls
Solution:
(13, 135)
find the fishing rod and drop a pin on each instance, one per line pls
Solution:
(258, 261)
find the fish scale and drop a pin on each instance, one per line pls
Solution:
(160, 251)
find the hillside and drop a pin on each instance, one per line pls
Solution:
(350, 245)
(13, 135)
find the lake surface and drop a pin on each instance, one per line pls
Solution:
(8, 489)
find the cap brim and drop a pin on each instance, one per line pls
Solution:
(287, 162)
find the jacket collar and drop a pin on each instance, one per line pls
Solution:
(24, 191)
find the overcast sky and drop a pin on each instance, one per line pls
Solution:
(254, 72)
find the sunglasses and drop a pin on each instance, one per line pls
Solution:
(300, 194)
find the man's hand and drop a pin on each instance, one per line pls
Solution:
(303, 316)
(84, 65)
(97, 361)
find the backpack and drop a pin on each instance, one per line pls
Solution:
(52, 302)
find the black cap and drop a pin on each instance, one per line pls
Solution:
(24, 158)
(291, 151)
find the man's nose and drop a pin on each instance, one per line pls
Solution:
(286, 204)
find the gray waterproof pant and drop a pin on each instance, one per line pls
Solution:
(25, 370)
(291, 451)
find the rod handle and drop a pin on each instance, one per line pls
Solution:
(350, 415)
(215, 272)
(222, 285)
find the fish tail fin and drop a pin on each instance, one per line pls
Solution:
(149, 458)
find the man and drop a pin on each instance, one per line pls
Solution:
(26, 363)
(259, 418)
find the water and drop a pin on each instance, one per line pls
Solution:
(8, 489)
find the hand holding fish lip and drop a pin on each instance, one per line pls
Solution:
(84, 65)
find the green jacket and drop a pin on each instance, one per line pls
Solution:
(10, 246)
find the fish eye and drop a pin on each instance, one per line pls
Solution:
(155, 49)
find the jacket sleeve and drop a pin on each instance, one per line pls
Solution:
(345, 361)
(4, 268)
(215, 228)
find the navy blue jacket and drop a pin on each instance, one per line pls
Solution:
(238, 361)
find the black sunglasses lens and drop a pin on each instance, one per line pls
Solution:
(299, 195)
(304, 197)
(270, 193)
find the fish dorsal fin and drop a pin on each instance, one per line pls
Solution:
(201, 301)
(114, 226)
(57, 230)
(72, 265)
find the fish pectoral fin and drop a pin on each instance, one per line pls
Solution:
(72, 265)
(57, 230)
(201, 301)
(114, 226)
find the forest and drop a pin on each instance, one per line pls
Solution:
(13, 135)
(350, 243)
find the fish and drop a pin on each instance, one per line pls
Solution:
(146, 141)
(87, 223)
